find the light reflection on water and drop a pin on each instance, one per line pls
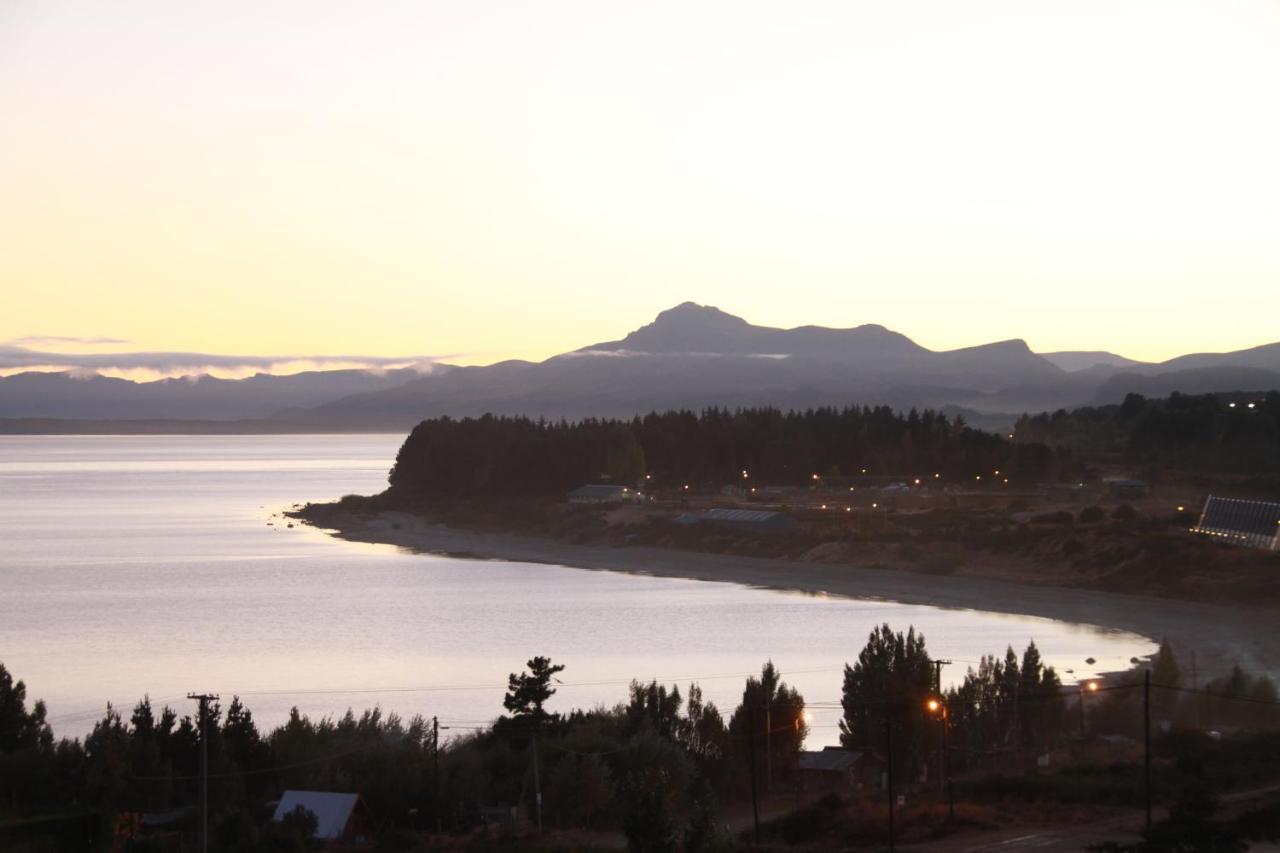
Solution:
(145, 564)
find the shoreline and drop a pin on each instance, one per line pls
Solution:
(1219, 636)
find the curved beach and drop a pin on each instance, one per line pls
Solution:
(1219, 636)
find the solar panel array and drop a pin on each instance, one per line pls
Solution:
(1241, 522)
(741, 516)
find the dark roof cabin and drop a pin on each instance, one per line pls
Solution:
(339, 817)
(750, 520)
(837, 769)
(600, 493)
(1128, 488)
(1253, 524)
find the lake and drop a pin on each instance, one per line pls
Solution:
(160, 565)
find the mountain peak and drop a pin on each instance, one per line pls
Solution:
(691, 314)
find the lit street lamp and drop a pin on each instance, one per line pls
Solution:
(938, 708)
(1091, 687)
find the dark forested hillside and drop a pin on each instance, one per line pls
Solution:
(520, 456)
(512, 456)
(1205, 433)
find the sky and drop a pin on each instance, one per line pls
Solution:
(485, 180)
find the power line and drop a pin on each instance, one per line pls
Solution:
(504, 686)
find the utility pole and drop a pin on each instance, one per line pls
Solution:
(751, 765)
(946, 754)
(435, 759)
(888, 757)
(942, 731)
(1146, 736)
(1195, 688)
(768, 745)
(204, 699)
(537, 784)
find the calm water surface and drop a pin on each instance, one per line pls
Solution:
(158, 565)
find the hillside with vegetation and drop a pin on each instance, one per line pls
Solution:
(661, 770)
(919, 492)
(1163, 438)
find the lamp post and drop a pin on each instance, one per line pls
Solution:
(1091, 687)
(938, 707)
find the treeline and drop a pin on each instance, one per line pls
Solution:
(1230, 433)
(511, 455)
(655, 766)
(515, 456)
(1007, 704)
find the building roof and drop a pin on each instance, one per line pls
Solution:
(832, 760)
(743, 516)
(332, 810)
(1254, 522)
(598, 490)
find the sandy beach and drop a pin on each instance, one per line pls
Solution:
(1219, 636)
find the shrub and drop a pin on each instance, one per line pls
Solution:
(941, 564)
(1092, 515)
(1124, 512)
(1062, 517)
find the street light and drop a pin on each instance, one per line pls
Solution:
(1090, 687)
(938, 708)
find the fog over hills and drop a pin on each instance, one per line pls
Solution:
(690, 356)
(1083, 360)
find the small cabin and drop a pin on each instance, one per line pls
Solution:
(840, 770)
(339, 817)
(1123, 489)
(602, 493)
(746, 520)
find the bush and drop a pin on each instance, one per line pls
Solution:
(1124, 512)
(1092, 515)
(941, 564)
(1062, 517)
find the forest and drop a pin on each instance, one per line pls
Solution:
(488, 455)
(662, 767)
(1204, 433)
(513, 456)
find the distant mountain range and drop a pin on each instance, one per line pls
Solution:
(690, 356)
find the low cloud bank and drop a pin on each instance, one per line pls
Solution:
(15, 357)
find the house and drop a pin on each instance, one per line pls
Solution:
(750, 520)
(1128, 488)
(836, 769)
(1253, 524)
(601, 493)
(339, 817)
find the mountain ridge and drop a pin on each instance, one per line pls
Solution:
(688, 356)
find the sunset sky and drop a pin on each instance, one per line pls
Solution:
(484, 180)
